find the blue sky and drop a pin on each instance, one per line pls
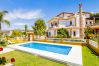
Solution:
(27, 11)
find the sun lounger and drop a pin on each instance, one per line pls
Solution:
(10, 42)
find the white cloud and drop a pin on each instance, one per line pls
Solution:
(19, 17)
(19, 24)
(23, 14)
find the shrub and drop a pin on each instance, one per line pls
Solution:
(2, 61)
(88, 32)
(3, 43)
(62, 33)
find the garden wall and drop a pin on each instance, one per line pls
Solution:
(65, 41)
(94, 46)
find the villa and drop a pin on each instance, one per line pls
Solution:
(30, 42)
(75, 23)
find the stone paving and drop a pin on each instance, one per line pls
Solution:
(5, 50)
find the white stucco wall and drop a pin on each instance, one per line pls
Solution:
(78, 33)
(77, 21)
(73, 22)
(53, 32)
(62, 23)
(68, 31)
(88, 22)
(66, 23)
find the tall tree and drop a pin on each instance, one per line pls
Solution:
(16, 33)
(39, 27)
(2, 13)
(26, 28)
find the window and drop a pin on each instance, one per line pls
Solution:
(56, 24)
(86, 23)
(70, 22)
(51, 25)
(74, 33)
(90, 23)
(49, 33)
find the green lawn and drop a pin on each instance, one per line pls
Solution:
(25, 59)
(89, 59)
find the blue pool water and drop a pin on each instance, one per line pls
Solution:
(48, 47)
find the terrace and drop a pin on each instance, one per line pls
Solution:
(40, 61)
(72, 58)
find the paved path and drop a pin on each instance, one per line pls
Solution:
(5, 50)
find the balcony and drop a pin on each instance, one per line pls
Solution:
(70, 25)
(62, 26)
(53, 27)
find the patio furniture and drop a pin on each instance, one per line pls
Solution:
(10, 42)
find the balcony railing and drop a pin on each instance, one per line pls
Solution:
(53, 27)
(61, 26)
(70, 25)
(64, 39)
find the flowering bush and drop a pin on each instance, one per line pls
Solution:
(3, 60)
(1, 49)
(12, 59)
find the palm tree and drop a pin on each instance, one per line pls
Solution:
(2, 13)
(26, 27)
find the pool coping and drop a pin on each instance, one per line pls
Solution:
(73, 58)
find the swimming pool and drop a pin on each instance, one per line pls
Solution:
(49, 47)
(65, 53)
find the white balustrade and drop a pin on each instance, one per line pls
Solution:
(93, 43)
